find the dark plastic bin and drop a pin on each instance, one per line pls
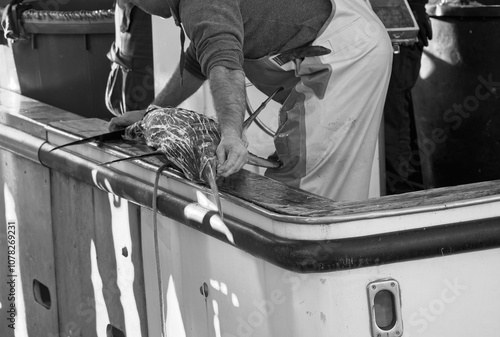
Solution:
(457, 99)
(64, 63)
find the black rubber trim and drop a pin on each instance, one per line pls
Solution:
(294, 255)
(368, 251)
(334, 255)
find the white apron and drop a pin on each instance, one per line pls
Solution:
(329, 121)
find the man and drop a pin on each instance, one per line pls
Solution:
(334, 87)
(403, 170)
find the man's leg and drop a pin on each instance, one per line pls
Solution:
(401, 152)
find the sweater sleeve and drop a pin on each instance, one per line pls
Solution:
(216, 33)
(192, 65)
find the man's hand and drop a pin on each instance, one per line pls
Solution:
(424, 23)
(232, 155)
(128, 118)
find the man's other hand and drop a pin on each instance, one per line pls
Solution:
(232, 155)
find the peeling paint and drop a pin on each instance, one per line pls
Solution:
(219, 225)
(197, 213)
(223, 288)
(216, 319)
(215, 221)
(174, 322)
(101, 311)
(125, 271)
(205, 202)
(235, 300)
(215, 284)
(105, 186)
(94, 178)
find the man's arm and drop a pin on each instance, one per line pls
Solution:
(228, 91)
(172, 94)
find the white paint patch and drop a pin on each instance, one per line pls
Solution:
(219, 225)
(215, 284)
(101, 311)
(235, 300)
(216, 307)
(105, 187)
(21, 326)
(174, 325)
(223, 288)
(205, 202)
(94, 177)
(125, 271)
(196, 212)
(216, 319)
(108, 188)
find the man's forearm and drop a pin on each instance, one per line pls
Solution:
(174, 93)
(228, 91)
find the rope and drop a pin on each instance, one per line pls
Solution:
(157, 246)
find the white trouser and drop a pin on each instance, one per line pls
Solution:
(329, 123)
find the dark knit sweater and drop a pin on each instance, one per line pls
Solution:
(224, 32)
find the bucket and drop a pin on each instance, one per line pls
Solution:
(457, 98)
(63, 62)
